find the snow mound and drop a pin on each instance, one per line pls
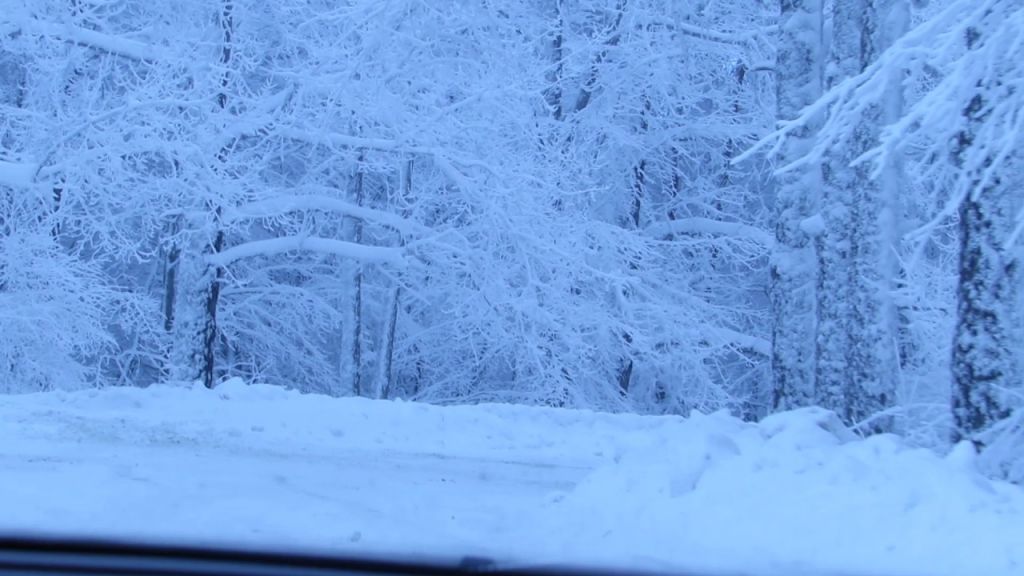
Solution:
(253, 464)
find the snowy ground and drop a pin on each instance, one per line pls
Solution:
(260, 465)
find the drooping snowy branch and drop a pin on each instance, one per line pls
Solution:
(937, 46)
(282, 204)
(109, 43)
(708, 226)
(273, 246)
(937, 49)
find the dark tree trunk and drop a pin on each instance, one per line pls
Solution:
(982, 347)
(214, 275)
(554, 93)
(983, 350)
(357, 296)
(210, 331)
(171, 264)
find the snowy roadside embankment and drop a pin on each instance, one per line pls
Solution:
(261, 465)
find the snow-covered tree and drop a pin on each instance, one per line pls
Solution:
(960, 130)
(451, 201)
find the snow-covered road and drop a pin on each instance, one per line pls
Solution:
(261, 466)
(421, 503)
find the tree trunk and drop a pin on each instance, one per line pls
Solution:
(834, 291)
(171, 264)
(386, 378)
(856, 358)
(983, 357)
(798, 84)
(982, 346)
(356, 332)
(877, 209)
(554, 93)
(214, 275)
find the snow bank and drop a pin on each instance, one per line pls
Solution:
(792, 496)
(261, 465)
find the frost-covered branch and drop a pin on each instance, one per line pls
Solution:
(116, 45)
(711, 227)
(326, 138)
(707, 34)
(937, 47)
(744, 341)
(283, 204)
(360, 252)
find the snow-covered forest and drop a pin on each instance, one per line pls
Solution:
(651, 206)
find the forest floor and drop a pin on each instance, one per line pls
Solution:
(255, 465)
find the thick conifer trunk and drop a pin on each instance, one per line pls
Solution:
(799, 82)
(856, 359)
(983, 356)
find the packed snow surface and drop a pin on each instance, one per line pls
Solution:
(257, 465)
